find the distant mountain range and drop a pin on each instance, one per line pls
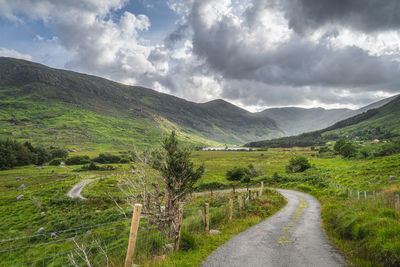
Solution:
(54, 106)
(380, 120)
(59, 107)
(294, 121)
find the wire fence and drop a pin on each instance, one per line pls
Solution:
(389, 199)
(106, 244)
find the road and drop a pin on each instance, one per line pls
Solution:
(291, 237)
(75, 192)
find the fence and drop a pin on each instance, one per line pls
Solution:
(386, 199)
(106, 244)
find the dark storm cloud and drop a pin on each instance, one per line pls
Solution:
(364, 15)
(234, 50)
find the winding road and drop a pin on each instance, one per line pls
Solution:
(75, 192)
(291, 237)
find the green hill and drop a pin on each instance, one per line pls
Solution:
(52, 106)
(377, 123)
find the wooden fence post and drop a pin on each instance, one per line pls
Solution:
(239, 203)
(207, 218)
(200, 212)
(374, 195)
(358, 195)
(365, 195)
(351, 193)
(398, 201)
(179, 225)
(262, 188)
(249, 195)
(230, 209)
(133, 235)
(383, 195)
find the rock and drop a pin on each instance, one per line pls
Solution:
(22, 187)
(53, 235)
(42, 213)
(391, 177)
(19, 178)
(20, 197)
(59, 180)
(89, 232)
(169, 247)
(41, 229)
(214, 232)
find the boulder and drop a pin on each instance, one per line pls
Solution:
(41, 229)
(391, 177)
(42, 213)
(169, 247)
(53, 235)
(19, 178)
(20, 197)
(214, 232)
(22, 186)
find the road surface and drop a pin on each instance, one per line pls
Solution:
(75, 192)
(292, 237)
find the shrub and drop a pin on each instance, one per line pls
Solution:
(58, 153)
(187, 242)
(348, 150)
(107, 158)
(55, 162)
(298, 163)
(77, 160)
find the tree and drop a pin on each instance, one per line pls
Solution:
(178, 177)
(235, 175)
(298, 163)
(348, 150)
(338, 145)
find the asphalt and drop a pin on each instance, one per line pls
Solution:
(75, 192)
(291, 237)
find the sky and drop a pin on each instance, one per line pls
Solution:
(252, 53)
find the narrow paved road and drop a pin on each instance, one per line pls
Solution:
(75, 192)
(292, 237)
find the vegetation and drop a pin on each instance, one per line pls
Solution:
(13, 153)
(298, 163)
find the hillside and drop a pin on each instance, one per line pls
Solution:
(377, 123)
(295, 120)
(51, 106)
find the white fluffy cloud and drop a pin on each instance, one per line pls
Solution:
(4, 52)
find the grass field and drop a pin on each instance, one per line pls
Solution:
(46, 187)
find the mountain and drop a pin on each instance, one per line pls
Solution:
(380, 120)
(53, 106)
(293, 120)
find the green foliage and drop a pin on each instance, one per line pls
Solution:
(176, 167)
(236, 174)
(55, 162)
(58, 153)
(345, 149)
(77, 160)
(107, 158)
(188, 242)
(298, 163)
(13, 153)
(388, 149)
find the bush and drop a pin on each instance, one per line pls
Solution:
(107, 158)
(58, 153)
(55, 162)
(298, 163)
(187, 242)
(77, 160)
(348, 150)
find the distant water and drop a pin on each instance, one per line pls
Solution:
(225, 149)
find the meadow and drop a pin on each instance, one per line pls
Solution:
(45, 204)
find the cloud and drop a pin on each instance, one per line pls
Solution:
(362, 15)
(255, 53)
(4, 52)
